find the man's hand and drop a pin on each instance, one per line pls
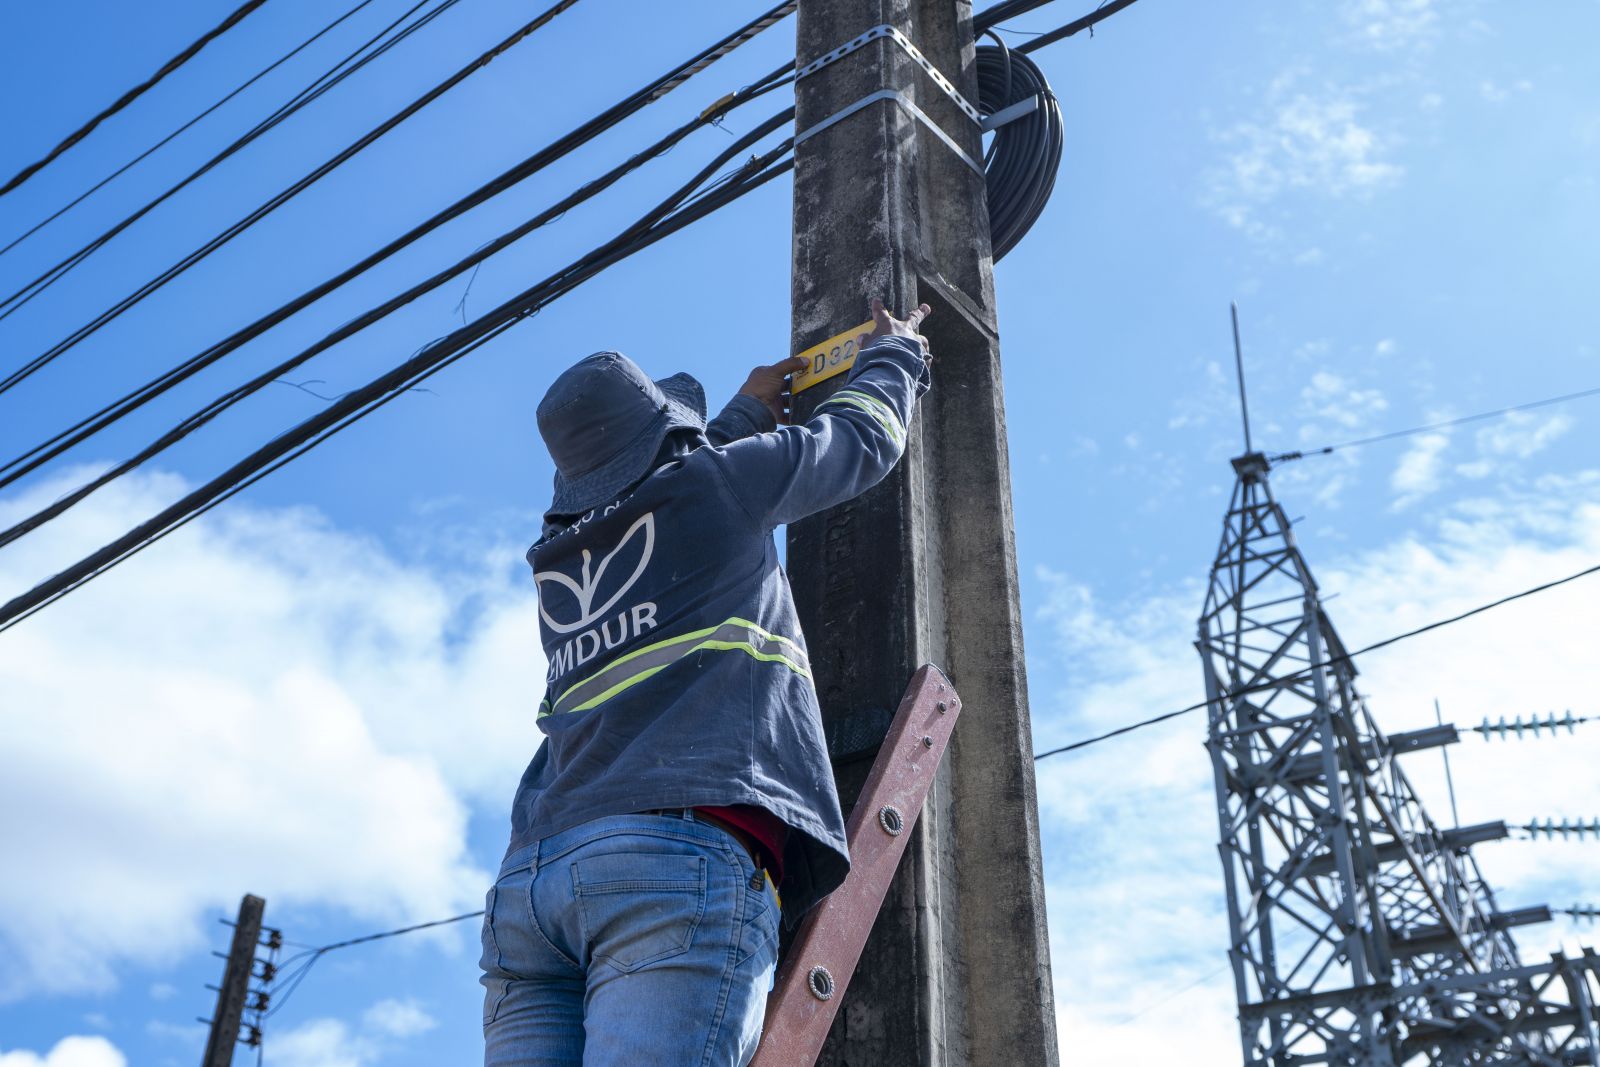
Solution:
(770, 385)
(886, 325)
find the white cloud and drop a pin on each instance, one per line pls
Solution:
(191, 1035)
(1420, 470)
(1312, 351)
(1303, 143)
(1495, 93)
(322, 1043)
(333, 1043)
(1520, 435)
(1135, 896)
(1499, 448)
(260, 703)
(1330, 409)
(69, 1052)
(1390, 24)
(1138, 927)
(1215, 398)
(399, 1018)
(1331, 399)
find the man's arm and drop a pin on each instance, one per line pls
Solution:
(743, 416)
(852, 440)
(760, 406)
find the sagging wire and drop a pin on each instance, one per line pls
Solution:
(332, 77)
(1284, 457)
(148, 152)
(1279, 683)
(216, 407)
(23, 464)
(672, 214)
(519, 35)
(233, 19)
(292, 972)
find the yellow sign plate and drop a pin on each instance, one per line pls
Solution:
(834, 356)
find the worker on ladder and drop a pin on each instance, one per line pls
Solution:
(684, 778)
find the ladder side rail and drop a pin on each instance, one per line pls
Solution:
(814, 975)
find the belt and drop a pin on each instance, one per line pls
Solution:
(746, 841)
(744, 837)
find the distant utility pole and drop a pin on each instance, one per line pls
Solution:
(889, 202)
(235, 988)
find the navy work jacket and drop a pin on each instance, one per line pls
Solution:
(678, 674)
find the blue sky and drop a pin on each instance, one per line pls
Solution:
(322, 693)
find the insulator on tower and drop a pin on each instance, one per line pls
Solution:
(1563, 829)
(1533, 725)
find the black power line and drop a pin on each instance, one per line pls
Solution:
(1087, 22)
(651, 92)
(988, 18)
(133, 94)
(1301, 675)
(1284, 457)
(341, 70)
(32, 289)
(241, 87)
(672, 214)
(198, 419)
(311, 955)
(304, 961)
(396, 933)
(261, 212)
(691, 202)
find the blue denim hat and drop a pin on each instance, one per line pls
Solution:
(603, 421)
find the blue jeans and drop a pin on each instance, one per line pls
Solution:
(633, 939)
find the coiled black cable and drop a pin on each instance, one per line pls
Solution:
(1020, 165)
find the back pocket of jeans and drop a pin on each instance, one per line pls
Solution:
(639, 908)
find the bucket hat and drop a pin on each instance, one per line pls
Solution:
(603, 421)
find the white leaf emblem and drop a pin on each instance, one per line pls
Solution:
(583, 590)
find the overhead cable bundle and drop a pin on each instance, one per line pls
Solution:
(1020, 165)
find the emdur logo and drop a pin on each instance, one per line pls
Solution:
(588, 583)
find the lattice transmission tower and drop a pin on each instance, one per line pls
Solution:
(1362, 932)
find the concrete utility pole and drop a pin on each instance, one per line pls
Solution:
(235, 988)
(923, 568)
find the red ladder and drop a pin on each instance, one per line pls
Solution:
(814, 975)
